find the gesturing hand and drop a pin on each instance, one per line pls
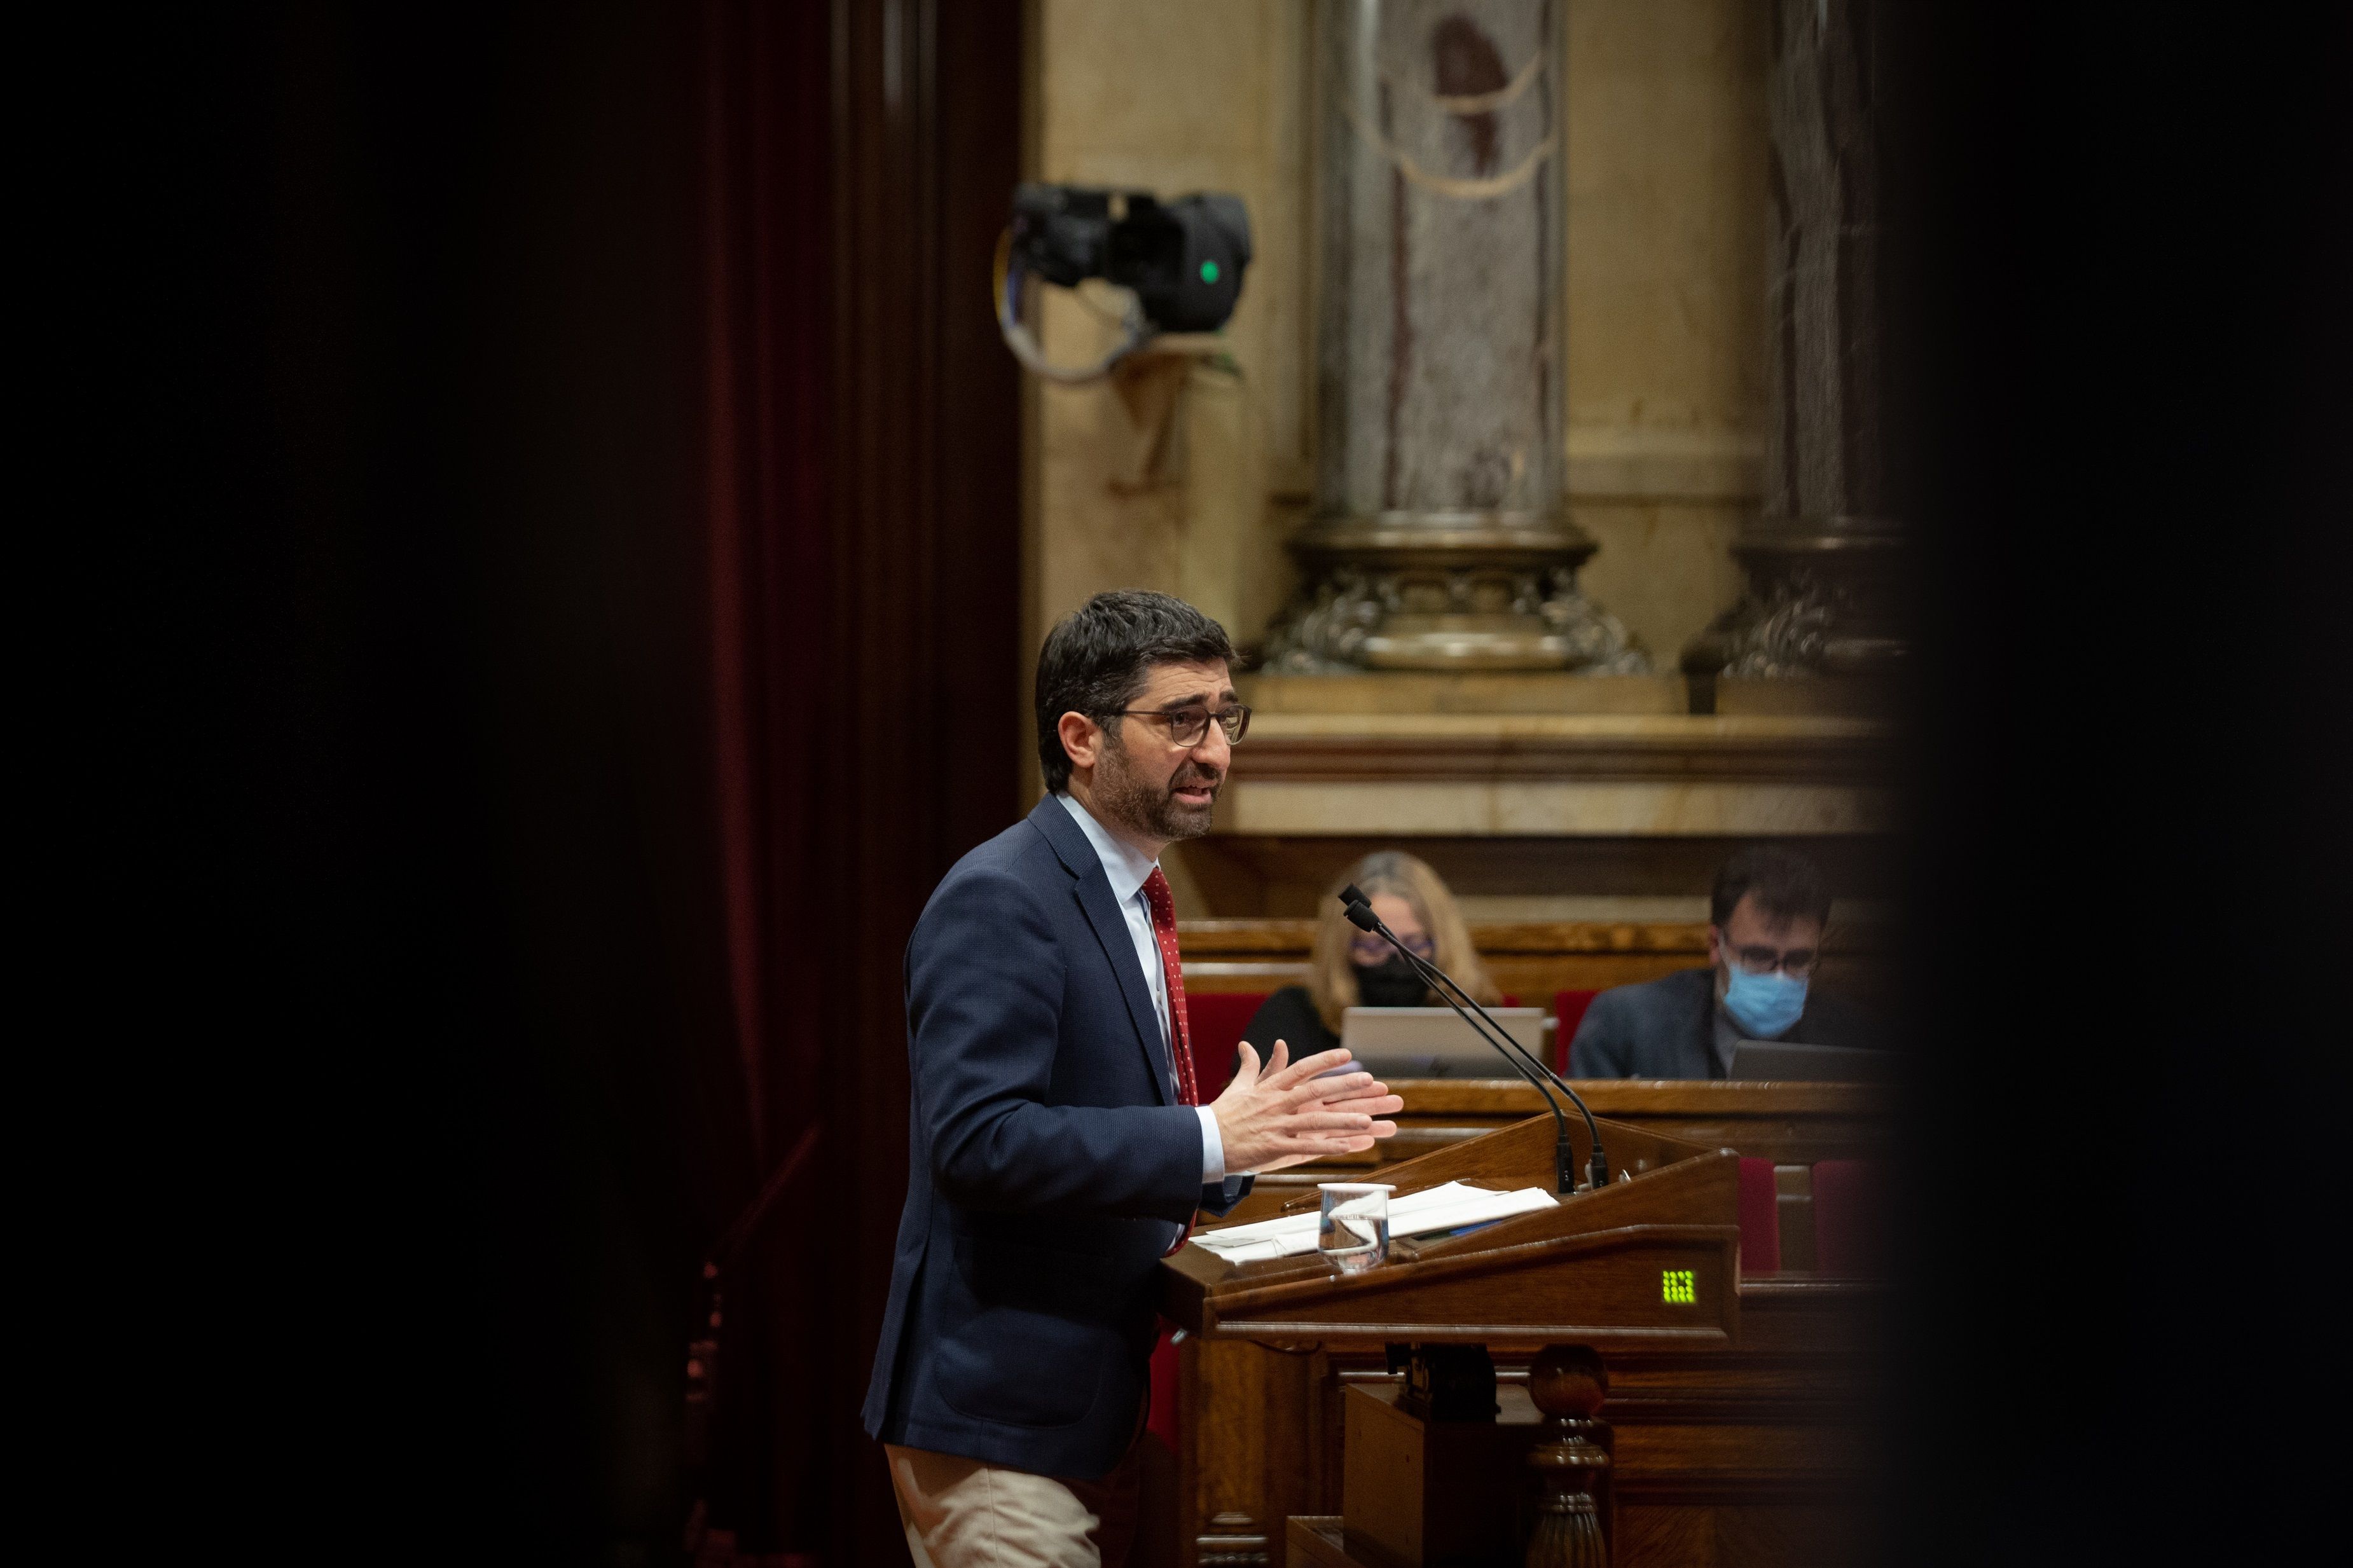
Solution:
(1286, 1115)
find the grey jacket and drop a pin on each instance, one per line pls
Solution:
(1666, 1029)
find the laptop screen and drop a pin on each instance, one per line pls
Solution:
(1435, 1042)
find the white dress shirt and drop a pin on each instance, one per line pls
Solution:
(1128, 871)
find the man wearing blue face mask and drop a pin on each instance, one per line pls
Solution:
(1766, 917)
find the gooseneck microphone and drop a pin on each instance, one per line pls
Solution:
(1361, 916)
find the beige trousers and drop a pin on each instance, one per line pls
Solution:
(964, 1514)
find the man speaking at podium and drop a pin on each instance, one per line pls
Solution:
(1058, 1150)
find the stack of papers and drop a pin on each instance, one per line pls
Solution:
(1450, 1207)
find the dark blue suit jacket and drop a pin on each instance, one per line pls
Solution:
(1049, 1157)
(1666, 1029)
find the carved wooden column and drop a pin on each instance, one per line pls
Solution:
(1441, 540)
(1825, 558)
(1571, 1460)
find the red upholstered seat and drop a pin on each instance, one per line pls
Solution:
(1849, 1217)
(1165, 1420)
(1217, 1019)
(1761, 1217)
(1569, 1007)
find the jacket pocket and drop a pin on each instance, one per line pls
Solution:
(1021, 1368)
(1033, 1329)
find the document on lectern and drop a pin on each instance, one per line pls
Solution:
(1450, 1207)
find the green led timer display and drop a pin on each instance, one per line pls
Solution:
(1675, 1284)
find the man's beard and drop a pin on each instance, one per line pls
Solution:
(1154, 812)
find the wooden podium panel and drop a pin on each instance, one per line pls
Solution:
(1740, 1459)
(1316, 1541)
(1737, 1425)
(1405, 1498)
(1650, 1260)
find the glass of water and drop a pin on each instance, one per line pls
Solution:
(1355, 1230)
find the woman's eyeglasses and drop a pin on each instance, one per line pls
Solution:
(1191, 726)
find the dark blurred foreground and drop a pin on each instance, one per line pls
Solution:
(551, 602)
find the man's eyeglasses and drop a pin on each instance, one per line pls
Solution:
(1797, 964)
(1191, 726)
(1370, 950)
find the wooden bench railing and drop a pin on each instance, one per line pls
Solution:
(1530, 960)
(1788, 1123)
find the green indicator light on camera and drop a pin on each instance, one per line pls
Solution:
(1208, 272)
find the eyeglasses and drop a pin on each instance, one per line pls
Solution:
(1797, 964)
(1191, 726)
(1369, 948)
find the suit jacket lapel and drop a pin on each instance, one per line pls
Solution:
(1093, 891)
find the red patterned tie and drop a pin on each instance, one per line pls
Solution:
(1164, 931)
(1180, 1038)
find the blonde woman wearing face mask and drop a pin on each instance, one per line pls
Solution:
(1350, 968)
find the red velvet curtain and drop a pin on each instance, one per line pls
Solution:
(766, 329)
(862, 500)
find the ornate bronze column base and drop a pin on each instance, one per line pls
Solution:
(1462, 591)
(1825, 598)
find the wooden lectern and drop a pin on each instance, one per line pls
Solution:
(1442, 1470)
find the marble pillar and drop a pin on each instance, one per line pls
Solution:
(1826, 557)
(1440, 540)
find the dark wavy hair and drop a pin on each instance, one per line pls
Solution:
(1786, 885)
(1100, 655)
